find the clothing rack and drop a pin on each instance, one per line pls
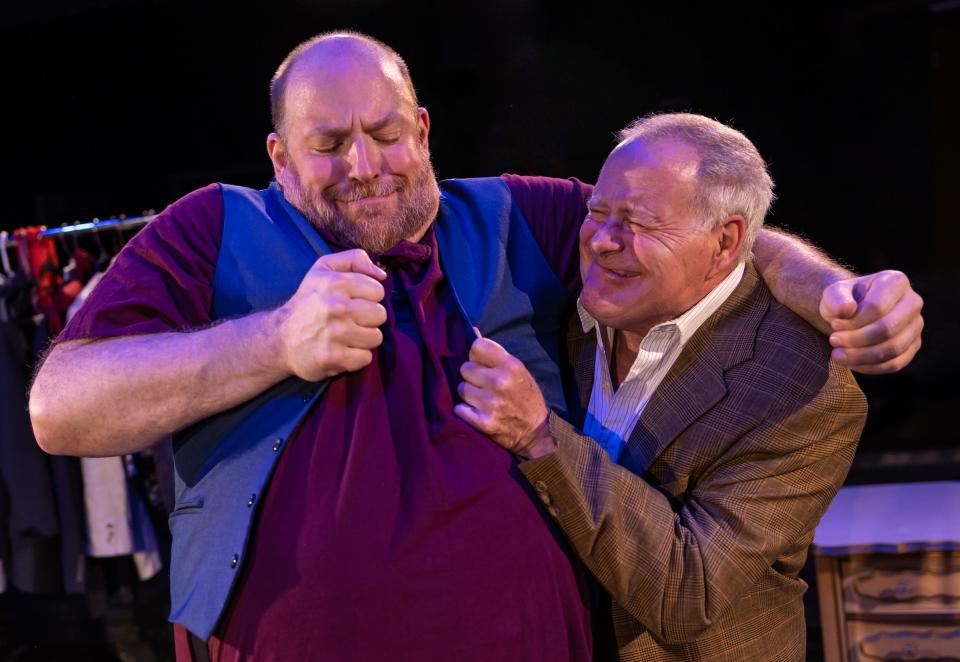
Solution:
(90, 226)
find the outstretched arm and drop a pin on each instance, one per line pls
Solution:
(874, 321)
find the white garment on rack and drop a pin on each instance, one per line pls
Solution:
(4, 257)
(118, 523)
(84, 293)
(108, 512)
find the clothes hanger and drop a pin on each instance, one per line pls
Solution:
(5, 257)
(104, 257)
(71, 265)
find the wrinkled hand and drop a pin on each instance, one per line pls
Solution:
(330, 324)
(502, 400)
(876, 321)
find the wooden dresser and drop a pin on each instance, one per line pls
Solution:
(888, 573)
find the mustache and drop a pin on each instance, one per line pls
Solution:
(364, 190)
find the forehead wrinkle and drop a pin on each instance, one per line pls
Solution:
(635, 197)
(339, 129)
(636, 203)
(389, 117)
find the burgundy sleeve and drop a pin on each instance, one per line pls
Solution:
(554, 209)
(162, 280)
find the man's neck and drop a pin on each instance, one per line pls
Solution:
(622, 357)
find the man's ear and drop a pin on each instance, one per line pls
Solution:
(277, 153)
(729, 238)
(423, 128)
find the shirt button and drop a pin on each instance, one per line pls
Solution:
(253, 497)
(541, 486)
(306, 397)
(276, 445)
(553, 511)
(234, 560)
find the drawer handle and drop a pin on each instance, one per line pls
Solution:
(897, 587)
(912, 645)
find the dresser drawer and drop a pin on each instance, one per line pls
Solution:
(921, 585)
(889, 642)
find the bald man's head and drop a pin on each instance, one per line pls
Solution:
(327, 47)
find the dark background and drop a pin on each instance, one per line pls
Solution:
(117, 106)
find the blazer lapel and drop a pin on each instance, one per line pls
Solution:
(695, 382)
(582, 354)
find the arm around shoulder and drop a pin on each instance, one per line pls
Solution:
(874, 321)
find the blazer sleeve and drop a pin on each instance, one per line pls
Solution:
(676, 564)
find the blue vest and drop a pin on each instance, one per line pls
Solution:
(504, 287)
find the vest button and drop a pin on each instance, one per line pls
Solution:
(234, 560)
(276, 445)
(253, 497)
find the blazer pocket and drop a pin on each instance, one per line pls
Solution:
(193, 505)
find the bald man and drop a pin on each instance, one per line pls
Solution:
(302, 345)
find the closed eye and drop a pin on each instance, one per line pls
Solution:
(327, 149)
(596, 214)
(638, 222)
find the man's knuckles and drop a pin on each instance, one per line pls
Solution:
(513, 366)
(896, 281)
(502, 382)
(870, 309)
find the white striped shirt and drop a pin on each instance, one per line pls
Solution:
(611, 415)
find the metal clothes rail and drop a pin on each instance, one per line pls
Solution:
(88, 227)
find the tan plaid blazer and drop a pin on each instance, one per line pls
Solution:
(699, 531)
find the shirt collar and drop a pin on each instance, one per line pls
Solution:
(688, 323)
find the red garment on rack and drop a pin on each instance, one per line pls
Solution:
(39, 255)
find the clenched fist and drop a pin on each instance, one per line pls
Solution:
(876, 321)
(330, 325)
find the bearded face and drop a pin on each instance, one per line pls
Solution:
(374, 215)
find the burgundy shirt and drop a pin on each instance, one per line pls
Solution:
(391, 529)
